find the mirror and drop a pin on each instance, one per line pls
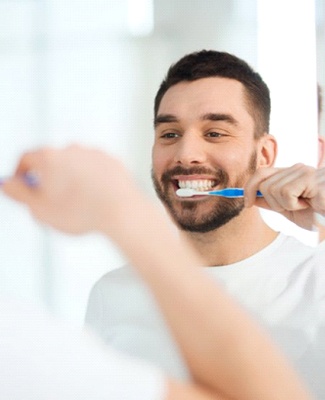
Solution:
(82, 71)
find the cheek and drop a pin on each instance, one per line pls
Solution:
(235, 162)
(231, 162)
(159, 160)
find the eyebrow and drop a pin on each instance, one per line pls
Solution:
(164, 118)
(167, 118)
(219, 117)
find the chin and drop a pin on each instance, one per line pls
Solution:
(212, 222)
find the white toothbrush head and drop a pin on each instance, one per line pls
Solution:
(189, 192)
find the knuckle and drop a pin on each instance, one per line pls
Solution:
(310, 173)
(285, 192)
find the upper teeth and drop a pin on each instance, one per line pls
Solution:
(203, 184)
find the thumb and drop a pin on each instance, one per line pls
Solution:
(253, 185)
(18, 190)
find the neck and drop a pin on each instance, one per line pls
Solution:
(237, 240)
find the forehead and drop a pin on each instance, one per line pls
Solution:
(207, 95)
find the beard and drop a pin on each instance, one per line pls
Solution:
(186, 213)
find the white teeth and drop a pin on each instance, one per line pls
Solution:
(200, 185)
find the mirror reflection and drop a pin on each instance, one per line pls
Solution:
(88, 72)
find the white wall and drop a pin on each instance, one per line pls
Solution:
(287, 61)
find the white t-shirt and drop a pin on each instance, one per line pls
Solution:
(283, 286)
(42, 358)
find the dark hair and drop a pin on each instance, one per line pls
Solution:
(210, 63)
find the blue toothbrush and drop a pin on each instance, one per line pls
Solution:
(29, 178)
(231, 193)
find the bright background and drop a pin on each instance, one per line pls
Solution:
(87, 71)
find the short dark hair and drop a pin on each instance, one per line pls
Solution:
(210, 63)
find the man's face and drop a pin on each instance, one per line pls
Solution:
(204, 139)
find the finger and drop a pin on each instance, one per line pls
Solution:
(17, 187)
(272, 184)
(19, 190)
(271, 181)
(32, 161)
(290, 189)
(319, 203)
(254, 183)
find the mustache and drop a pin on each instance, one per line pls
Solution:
(220, 175)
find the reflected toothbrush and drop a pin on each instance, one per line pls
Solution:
(29, 178)
(231, 193)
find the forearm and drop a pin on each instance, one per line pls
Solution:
(224, 349)
(190, 391)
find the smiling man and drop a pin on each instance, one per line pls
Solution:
(186, 143)
(211, 120)
(206, 138)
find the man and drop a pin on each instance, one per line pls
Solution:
(211, 131)
(228, 355)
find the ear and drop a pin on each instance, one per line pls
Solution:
(321, 152)
(267, 149)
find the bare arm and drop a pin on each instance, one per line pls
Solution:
(84, 190)
(186, 391)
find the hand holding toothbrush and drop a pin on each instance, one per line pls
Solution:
(294, 192)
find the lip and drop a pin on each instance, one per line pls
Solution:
(193, 177)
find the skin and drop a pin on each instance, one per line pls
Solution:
(185, 137)
(293, 192)
(297, 192)
(229, 356)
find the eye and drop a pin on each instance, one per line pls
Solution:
(169, 135)
(214, 134)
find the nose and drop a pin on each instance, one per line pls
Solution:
(190, 150)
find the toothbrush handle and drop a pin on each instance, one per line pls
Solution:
(232, 193)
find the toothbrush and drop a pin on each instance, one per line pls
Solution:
(231, 193)
(29, 178)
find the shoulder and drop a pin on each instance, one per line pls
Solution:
(291, 242)
(123, 276)
(120, 289)
(300, 259)
(317, 265)
(320, 252)
(292, 250)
